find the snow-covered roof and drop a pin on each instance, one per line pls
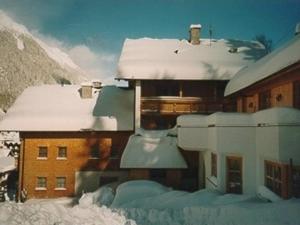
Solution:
(229, 119)
(271, 116)
(7, 164)
(286, 55)
(195, 26)
(147, 58)
(152, 149)
(60, 108)
(278, 116)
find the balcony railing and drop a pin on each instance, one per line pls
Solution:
(179, 105)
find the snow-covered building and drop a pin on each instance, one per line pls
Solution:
(72, 137)
(172, 77)
(273, 81)
(259, 145)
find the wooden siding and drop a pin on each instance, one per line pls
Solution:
(78, 158)
(282, 89)
(184, 105)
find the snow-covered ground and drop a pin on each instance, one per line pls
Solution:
(148, 203)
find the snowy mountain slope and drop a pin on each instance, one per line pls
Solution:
(26, 61)
(1, 114)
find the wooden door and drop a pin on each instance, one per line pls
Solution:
(234, 174)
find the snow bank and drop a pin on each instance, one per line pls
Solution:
(49, 213)
(151, 195)
(101, 197)
(138, 189)
(155, 205)
(245, 213)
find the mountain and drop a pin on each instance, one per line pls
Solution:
(26, 60)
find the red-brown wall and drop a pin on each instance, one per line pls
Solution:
(78, 159)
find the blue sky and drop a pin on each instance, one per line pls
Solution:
(102, 25)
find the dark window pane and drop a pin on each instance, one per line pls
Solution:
(43, 152)
(62, 152)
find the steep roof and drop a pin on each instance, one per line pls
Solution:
(286, 55)
(60, 108)
(147, 58)
(152, 149)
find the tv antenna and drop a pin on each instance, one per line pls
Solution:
(210, 34)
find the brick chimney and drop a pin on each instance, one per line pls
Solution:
(86, 90)
(195, 30)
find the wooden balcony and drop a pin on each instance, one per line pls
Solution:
(179, 105)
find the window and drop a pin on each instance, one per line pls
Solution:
(158, 175)
(60, 182)
(214, 165)
(62, 152)
(276, 178)
(234, 174)
(114, 152)
(265, 100)
(43, 152)
(41, 183)
(95, 151)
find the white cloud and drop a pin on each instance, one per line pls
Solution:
(100, 65)
(96, 65)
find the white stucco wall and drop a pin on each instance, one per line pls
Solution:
(289, 144)
(137, 112)
(231, 141)
(193, 138)
(272, 134)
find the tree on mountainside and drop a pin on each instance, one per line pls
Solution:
(266, 42)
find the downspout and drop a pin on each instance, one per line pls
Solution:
(20, 170)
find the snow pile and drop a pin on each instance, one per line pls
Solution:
(148, 58)
(151, 195)
(60, 108)
(102, 197)
(50, 213)
(251, 213)
(152, 149)
(149, 203)
(139, 189)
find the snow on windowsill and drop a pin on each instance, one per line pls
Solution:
(40, 189)
(94, 158)
(42, 158)
(60, 189)
(61, 158)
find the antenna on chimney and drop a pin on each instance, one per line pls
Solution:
(210, 34)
